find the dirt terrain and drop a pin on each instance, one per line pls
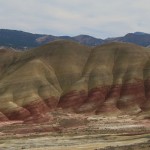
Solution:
(77, 132)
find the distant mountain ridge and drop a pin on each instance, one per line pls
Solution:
(139, 38)
(25, 40)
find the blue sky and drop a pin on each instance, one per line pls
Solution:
(99, 18)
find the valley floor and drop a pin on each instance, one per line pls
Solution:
(77, 132)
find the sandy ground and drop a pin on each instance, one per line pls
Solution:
(80, 144)
(75, 132)
(71, 143)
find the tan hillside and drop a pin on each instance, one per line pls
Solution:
(108, 79)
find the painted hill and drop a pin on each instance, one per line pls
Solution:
(109, 79)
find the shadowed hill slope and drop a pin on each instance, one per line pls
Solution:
(108, 79)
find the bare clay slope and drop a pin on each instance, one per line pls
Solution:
(31, 85)
(109, 79)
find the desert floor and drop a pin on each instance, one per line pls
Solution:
(77, 132)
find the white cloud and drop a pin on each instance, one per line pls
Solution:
(100, 18)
